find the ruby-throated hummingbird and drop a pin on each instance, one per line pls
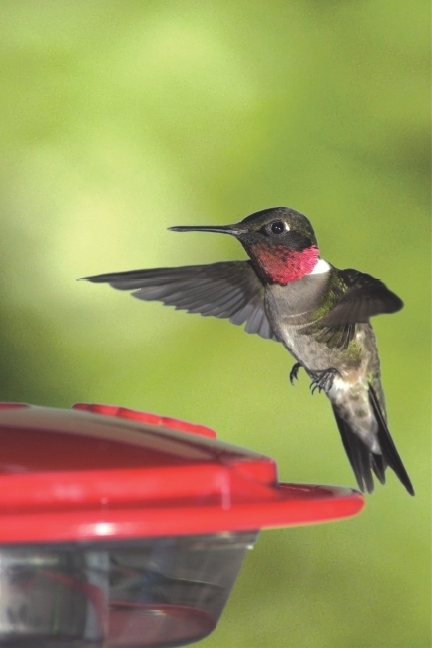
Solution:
(286, 292)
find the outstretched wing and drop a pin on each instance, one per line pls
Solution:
(358, 297)
(230, 290)
(362, 297)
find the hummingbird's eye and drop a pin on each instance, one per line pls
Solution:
(277, 227)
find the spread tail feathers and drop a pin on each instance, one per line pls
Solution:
(363, 461)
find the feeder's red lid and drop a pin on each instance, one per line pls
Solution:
(102, 472)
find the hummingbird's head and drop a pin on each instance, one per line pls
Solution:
(279, 241)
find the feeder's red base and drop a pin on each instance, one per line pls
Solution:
(102, 472)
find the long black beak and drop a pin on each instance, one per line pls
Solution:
(234, 230)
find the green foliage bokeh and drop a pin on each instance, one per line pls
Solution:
(119, 119)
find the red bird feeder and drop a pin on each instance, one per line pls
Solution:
(123, 529)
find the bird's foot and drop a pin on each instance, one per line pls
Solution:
(323, 380)
(294, 373)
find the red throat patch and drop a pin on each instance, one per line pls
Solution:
(279, 264)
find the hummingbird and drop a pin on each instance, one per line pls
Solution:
(288, 293)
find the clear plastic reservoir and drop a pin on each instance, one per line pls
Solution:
(149, 593)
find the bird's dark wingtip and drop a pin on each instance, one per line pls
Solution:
(105, 278)
(363, 461)
(91, 279)
(357, 453)
(389, 453)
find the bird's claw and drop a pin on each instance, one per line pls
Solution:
(294, 373)
(323, 380)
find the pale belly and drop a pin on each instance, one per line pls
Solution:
(349, 388)
(317, 356)
(290, 311)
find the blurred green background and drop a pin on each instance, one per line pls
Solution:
(119, 119)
